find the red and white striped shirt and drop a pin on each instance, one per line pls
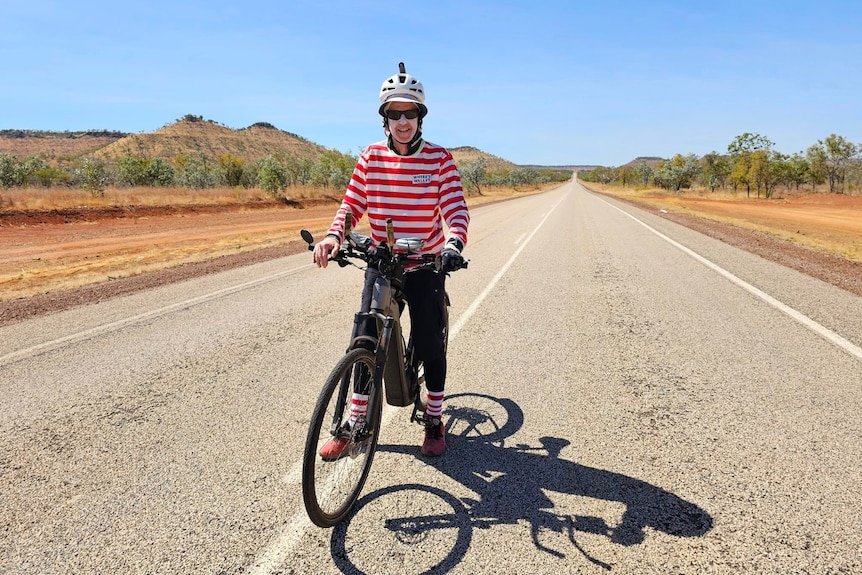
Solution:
(418, 192)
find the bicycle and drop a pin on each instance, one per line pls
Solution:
(382, 367)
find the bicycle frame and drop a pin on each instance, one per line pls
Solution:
(380, 366)
(394, 363)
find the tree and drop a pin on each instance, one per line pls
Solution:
(474, 174)
(645, 173)
(159, 173)
(332, 168)
(798, 171)
(600, 175)
(231, 168)
(14, 172)
(758, 171)
(8, 171)
(93, 176)
(49, 176)
(195, 171)
(817, 164)
(714, 171)
(298, 169)
(768, 169)
(132, 171)
(627, 175)
(854, 173)
(250, 175)
(272, 175)
(740, 151)
(677, 173)
(747, 143)
(839, 154)
(522, 177)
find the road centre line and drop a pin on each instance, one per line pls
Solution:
(121, 323)
(273, 557)
(806, 321)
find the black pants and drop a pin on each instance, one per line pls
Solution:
(425, 292)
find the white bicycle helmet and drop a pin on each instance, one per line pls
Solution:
(402, 87)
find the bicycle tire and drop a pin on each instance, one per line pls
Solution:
(330, 488)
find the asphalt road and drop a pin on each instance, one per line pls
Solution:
(625, 395)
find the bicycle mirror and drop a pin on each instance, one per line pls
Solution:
(307, 237)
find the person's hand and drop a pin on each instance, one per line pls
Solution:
(324, 248)
(451, 260)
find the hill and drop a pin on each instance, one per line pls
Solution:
(465, 154)
(55, 145)
(651, 161)
(187, 135)
(569, 168)
(192, 134)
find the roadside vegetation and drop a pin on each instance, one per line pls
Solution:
(750, 165)
(197, 158)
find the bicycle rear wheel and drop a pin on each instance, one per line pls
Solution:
(330, 488)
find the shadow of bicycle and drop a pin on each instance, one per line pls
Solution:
(514, 484)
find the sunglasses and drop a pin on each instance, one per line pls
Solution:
(410, 114)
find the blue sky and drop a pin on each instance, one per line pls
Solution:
(540, 82)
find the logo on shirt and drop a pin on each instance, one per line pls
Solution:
(422, 179)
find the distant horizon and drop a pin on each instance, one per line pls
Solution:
(4, 131)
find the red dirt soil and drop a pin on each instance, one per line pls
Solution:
(54, 260)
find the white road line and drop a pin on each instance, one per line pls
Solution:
(274, 556)
(468, 313)
(115, 325)
(817, 328)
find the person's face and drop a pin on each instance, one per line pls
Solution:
(402, 128)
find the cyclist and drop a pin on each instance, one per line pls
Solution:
(415, 184)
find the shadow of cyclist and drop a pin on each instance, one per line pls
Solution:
(511, 483)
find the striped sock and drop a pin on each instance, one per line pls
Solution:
(434, 406)
(358, 407)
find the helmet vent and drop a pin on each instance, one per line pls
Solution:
(402, 87)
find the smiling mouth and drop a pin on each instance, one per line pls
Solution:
(403, 134)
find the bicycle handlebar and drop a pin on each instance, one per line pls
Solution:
(381, 256)
(361, 247)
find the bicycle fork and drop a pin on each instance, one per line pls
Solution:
(363, 381)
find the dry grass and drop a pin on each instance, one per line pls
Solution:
(51, 257)
(823, 221)
(25, 199)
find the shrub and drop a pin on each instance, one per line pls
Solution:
(93, 176)
(49, 176)
(231, 169)
(8, 171)
(272, 176)
(195, 172)
(159, 173)
(132, 171)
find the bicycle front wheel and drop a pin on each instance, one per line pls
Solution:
(331, 484)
